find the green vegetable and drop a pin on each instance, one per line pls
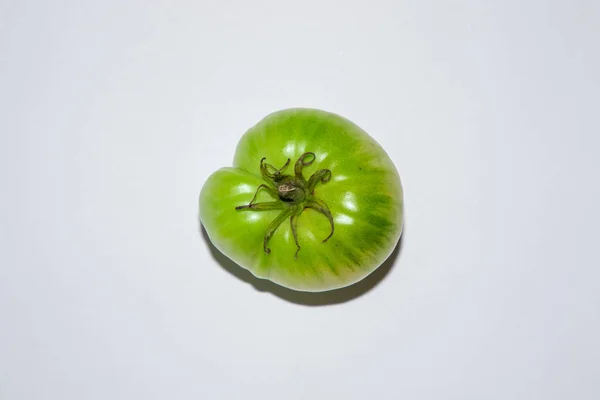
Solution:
(312, 202)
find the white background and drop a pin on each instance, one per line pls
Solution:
(113, 113)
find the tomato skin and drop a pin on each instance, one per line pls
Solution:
(365, 197)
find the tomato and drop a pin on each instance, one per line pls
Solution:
(312, 202)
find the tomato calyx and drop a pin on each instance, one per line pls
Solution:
(292, 194)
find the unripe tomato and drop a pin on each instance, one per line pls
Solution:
(312, 202)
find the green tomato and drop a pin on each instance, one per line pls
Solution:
(312, 203)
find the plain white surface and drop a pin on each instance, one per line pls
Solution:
(113, 113)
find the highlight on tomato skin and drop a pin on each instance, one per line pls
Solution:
(311, 202)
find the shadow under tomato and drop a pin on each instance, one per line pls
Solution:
(307, 298)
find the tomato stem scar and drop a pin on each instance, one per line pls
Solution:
(292, 194)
